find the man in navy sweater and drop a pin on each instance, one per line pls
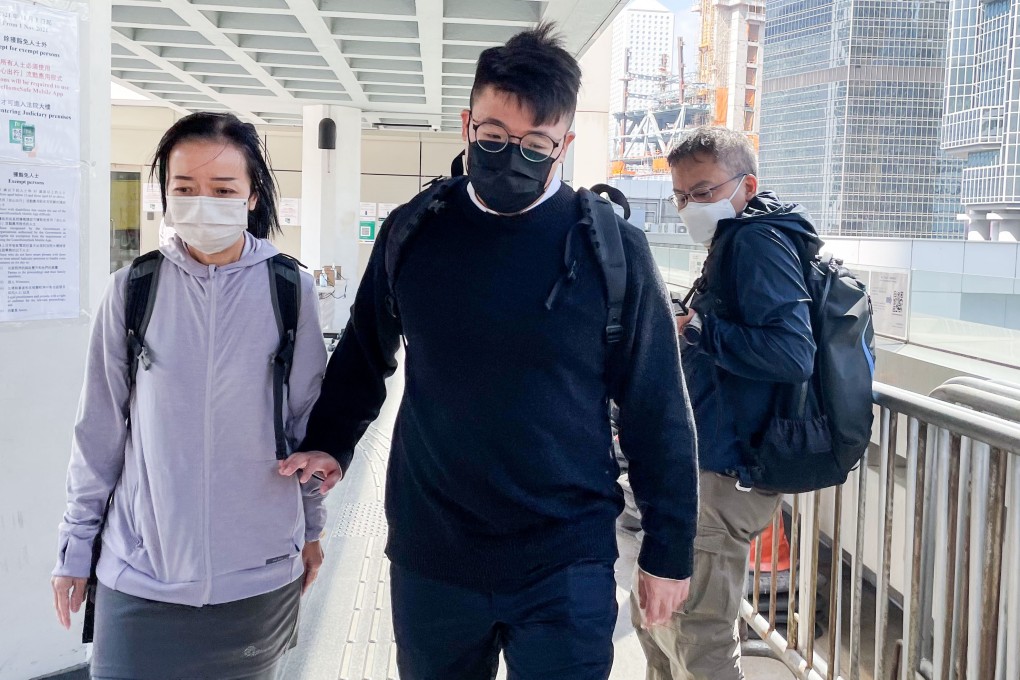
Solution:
(501, 492)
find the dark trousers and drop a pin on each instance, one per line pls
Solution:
(559, 626)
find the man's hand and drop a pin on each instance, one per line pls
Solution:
(312, 556)
(682, 321)
(660, 598)
(68, 594)
(317, 463)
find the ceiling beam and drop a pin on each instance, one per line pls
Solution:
(185, 77)
(307, 12)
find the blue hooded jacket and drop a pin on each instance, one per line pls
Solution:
(756, 327)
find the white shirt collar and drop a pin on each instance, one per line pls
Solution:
(553, 187)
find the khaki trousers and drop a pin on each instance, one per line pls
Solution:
(701, 642)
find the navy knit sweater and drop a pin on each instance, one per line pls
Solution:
(501, 465)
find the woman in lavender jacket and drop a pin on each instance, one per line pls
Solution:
(206, 548)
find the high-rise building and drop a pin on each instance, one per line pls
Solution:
(982, 115)
(642, 45)
(852, 113)
(729, 60)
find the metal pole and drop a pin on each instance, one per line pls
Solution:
(944, 538)
(791, 615)
(958, 653)
(836, 588)
(926, 640)
(757, 573)
(1013, 610)
(995, 507)
(773, 592)
(858, 570)
(812, 578)
(886, 491)
(915, 500)
(980, 473)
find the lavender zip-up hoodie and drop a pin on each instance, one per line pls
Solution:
(200, 513)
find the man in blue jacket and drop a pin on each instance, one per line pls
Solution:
(748, 333)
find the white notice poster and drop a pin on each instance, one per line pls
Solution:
(890, 300)
(39, 84)
(696, 261)
(290, 212)
(386, 208)
(152, 198)
(39, 242)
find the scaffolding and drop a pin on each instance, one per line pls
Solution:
(651, 121)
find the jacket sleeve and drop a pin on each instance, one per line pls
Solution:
(100, 433)
(354, 388)
(774, 342)
(303, 389)
(656, 424)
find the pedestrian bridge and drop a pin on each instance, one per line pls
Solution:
(948, 474)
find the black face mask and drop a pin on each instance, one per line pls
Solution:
(506, 181)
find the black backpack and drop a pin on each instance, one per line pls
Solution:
(597, 218)
(139, 300)
(819, 430)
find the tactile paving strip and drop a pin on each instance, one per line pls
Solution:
(361, 519)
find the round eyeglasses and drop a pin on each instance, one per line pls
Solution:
(493, 137)
(703, 195)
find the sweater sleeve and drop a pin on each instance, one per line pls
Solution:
(354, 388)
(656, 424)
(100, 433)
(774, 342)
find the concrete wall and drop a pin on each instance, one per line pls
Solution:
(41, 367)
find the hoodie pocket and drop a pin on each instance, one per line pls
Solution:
(254, 513)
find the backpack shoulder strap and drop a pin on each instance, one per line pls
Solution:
(139, 299)
(407, 221)
(599, 219)
(285, 293)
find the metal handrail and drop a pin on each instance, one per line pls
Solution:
(961, 548)
(980, 400)
(996, 431)
(1000, 387)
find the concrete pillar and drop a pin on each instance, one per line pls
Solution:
(1009, 229)
(979, 227)
(41, 364)
(330, 198)
(588, 161)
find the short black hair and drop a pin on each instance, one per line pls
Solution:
(534, 69)
(263, 221)
(729, 148)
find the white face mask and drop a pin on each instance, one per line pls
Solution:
(701, 219)
(209, 225)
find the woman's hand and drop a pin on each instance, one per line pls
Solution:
(68, 595)
(312, 556)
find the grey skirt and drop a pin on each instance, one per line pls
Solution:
(139, 639)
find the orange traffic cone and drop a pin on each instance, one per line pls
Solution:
(766, 549)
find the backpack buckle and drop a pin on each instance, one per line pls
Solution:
(614, 333)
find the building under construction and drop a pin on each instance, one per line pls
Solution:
(658, 106)
(651, 119)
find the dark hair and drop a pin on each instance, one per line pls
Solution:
(533, 68)
(263, 221)
(729, 148)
